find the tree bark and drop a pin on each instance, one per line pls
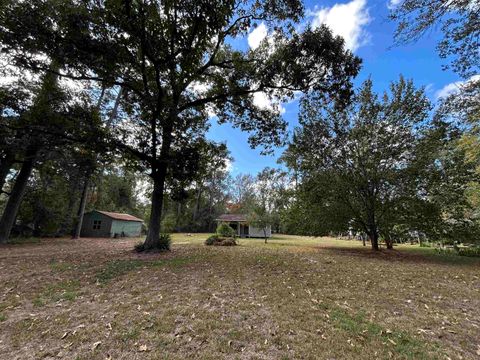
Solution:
(81, 208)
(153, 240)
(389, 242)
(373, 235)
(13, 204)
(5, 166)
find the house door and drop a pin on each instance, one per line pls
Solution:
(243, 230)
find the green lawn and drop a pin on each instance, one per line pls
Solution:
(293, 298)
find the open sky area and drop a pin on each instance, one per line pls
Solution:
(369, 34)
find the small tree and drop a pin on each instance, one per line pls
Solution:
(260, 218)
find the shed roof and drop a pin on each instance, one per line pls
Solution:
(232, 217)
(119, 216)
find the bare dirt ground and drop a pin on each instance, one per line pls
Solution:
(293, 298)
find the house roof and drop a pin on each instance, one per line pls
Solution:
(232, 218)
(119, 216)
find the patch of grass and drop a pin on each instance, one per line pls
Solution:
(402, 344)
(60, 266)
(117, 268)
(67, 290)
(132, 333)
(3, 317)
(21, 241)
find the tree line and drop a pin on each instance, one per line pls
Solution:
(110, 95)
(170, 62)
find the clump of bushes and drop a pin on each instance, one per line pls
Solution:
(471, 251)
(225, 230)
(165, 243)
(225, 236)
(217, 240)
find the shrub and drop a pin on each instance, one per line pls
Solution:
(223, 229)
(471, 251)
(139, 247)
(228, 242)
(165, 243)
(212, 240)
(216, 240)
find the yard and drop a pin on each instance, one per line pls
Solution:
(293, 298)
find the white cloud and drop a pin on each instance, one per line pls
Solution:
(229, 165)
(257, 35)
(392, 4)
(261, 100)
(346, 20)
(454, 87)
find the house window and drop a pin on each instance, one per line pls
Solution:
(96, 224)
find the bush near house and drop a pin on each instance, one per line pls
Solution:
(225, 230)
(225, 236)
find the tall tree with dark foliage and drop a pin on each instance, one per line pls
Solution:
(175, 61)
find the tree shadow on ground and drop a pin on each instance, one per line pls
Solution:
(417, 256)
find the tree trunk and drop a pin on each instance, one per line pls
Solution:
(389, 242)
(153, 240)
(196, 208)
(5, 166)
(373, 235)
(81, 208)
(13, 204)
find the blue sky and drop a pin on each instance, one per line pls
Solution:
(369, 33)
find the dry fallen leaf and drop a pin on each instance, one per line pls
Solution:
(96, 345)
(142, 348)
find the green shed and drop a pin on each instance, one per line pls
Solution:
(98, 223)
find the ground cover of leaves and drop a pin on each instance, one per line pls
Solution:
(293, 298)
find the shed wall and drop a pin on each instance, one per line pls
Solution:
(126, 228)
(89, 222)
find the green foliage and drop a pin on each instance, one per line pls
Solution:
(168, 223)
(469, 251)
(164, 244)
(168, 57)
(223, 229)
(380, 166)
(217, 240)
(457, 20)
(211, 240)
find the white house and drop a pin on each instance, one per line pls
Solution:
(240, 224)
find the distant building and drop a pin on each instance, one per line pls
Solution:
(240, 224)
(98, 223)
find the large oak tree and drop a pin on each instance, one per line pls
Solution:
(176, 63)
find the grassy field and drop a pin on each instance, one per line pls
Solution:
(293, 298)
